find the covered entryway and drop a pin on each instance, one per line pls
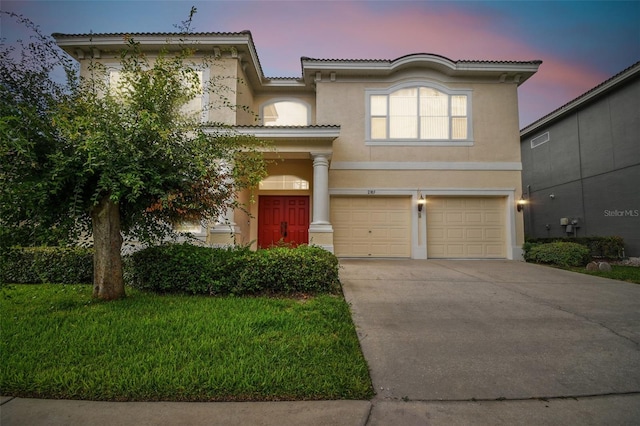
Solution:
(371, 226)
(466, 227)
(283, 219)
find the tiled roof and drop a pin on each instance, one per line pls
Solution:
(595, 91)
(246, 32)
(390, 61)
(312, 126)
(170, 34)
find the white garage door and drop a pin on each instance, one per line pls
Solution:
(467, 227)
(371, 226)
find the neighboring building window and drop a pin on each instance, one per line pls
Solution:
(286, 113)
(414, 113)
(288, 182)
(539, 140)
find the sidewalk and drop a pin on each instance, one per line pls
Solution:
(601, 410)
(41, 412)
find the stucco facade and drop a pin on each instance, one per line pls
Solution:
(415, 157)
(581, 165)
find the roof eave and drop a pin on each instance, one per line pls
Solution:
(72, 43)
(317, 132)
(518, 71)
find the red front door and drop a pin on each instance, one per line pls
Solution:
(283, 219)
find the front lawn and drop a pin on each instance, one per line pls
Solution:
(618, 272)
(58, 342)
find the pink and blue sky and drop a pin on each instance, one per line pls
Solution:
(581, 43)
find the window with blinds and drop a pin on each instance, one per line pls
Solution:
(418, 114)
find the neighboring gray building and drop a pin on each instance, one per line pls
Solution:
(581, 165)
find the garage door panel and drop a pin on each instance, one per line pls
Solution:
(475, 234)
(454, 250)
(378, 217)
(359, 233)
(371, 226)
(379, 234)
(398, 250)
(396, 217)
(496, 250)
(437, 250)
(466, 227)
(455, 233)
(476, 250)
(454, 218)
(473, 203)
(437, 217)
(473, 217)
(453, 203)
(491, 217)
(493, 234)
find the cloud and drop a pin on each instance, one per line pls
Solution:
(556, 83)
(285, 31)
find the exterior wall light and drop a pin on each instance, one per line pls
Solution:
(421, 203)
(521, 203)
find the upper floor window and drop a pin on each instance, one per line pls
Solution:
(196, 105)
(286, 113)
(414, 114)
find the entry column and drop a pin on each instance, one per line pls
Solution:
(223, 232)
(321, 231)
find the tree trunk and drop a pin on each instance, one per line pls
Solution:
(108, 283)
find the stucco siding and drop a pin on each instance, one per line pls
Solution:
(495, 125)
(435, 179)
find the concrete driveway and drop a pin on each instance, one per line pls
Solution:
(495, 342)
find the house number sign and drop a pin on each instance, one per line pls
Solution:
(371, 191)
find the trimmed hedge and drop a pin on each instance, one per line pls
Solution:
(182, 268)
(185, 268)
(559, 253)
(602, 247)
(305, 269)
(35, 265)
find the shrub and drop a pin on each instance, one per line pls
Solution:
(559, 253)
(184, 268)
(32, 236)
(604, 247)
(34, 265)
(305, 269)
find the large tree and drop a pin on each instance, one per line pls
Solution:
(118, 156)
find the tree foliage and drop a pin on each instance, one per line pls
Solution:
(28, 137)
(116, 156)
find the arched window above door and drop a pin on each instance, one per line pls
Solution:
(280, 182)
(286, 113)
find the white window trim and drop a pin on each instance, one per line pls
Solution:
(307, 105)
(540, 139)
(419, 142)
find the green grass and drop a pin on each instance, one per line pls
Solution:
(58, 342)
(618, 272)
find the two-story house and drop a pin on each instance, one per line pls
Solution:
(416, 157)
